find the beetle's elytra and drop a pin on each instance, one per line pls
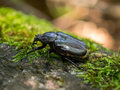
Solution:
(68, 47)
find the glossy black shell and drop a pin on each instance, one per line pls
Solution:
(65, 45)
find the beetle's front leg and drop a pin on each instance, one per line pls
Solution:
(37, 48)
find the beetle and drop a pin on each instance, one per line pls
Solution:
(68, 47)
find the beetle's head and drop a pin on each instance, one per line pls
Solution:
(37, 38)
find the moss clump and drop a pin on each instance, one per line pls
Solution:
(19, 30)
(102, 72)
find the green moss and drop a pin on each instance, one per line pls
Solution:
(19, 30)
(103, 71)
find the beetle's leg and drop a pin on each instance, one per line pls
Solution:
(72, 62)
(48, 54)
(37, 48)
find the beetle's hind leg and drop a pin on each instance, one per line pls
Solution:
(72, 63)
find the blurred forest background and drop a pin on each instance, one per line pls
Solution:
(98, 20)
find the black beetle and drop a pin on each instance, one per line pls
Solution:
(68, 47)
